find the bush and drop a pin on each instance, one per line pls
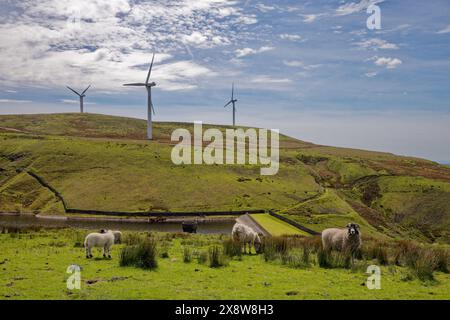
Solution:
(142, 255)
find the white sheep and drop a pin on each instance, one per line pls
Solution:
(105, 239)
(246, 235)
(346, 240)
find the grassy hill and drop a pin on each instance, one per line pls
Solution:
(98, 162)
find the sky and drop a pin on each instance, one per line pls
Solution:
(312, 69)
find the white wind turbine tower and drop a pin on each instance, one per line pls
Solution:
(232, 101)
(82, 95)
(148, 85)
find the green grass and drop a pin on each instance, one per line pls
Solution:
(103, 162)
(34, 267)
(277, 227)
(134, 176)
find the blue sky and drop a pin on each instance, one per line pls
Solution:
(309, 68)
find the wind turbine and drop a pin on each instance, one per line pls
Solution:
(82, 95)
(148, 85)
(232, 101)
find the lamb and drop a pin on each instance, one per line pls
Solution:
(346, 240)
(105, 239)
(246, 235)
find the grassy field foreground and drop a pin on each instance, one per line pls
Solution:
(33, 266)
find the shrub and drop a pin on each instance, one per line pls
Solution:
(142, 255)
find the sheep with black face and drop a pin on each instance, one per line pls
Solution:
(346, 240)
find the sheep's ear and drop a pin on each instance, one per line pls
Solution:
(357, 226)
(349, 225)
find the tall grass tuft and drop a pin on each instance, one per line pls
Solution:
(187, 255)
(274, 247)
(216, 257)
(442, 260)
(333, 259)
(376, 250)
(202, 257)
(425, 264)
(142, 255)
(232, 248)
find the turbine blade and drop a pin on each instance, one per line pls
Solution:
(228, 104)
(150, 70)
(86, 89)
(135, 85)
(73, 91)
(232, 91)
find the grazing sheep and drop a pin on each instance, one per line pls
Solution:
(347, 239)
(105, 239)
(246, 235)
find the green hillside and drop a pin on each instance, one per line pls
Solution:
(98, 162)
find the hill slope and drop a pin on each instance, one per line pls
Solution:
(97, 162)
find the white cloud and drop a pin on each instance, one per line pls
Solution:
(70, 101)
(269, 80)
(291, 37)
(264, 8)
(300, 64)
(375, 44)
(445, 30)
(195, 38)
(112, 41)
(389, 63)
(371, 74)
(249, 51)
(14, 101)
(308, 18)
(354, 7)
